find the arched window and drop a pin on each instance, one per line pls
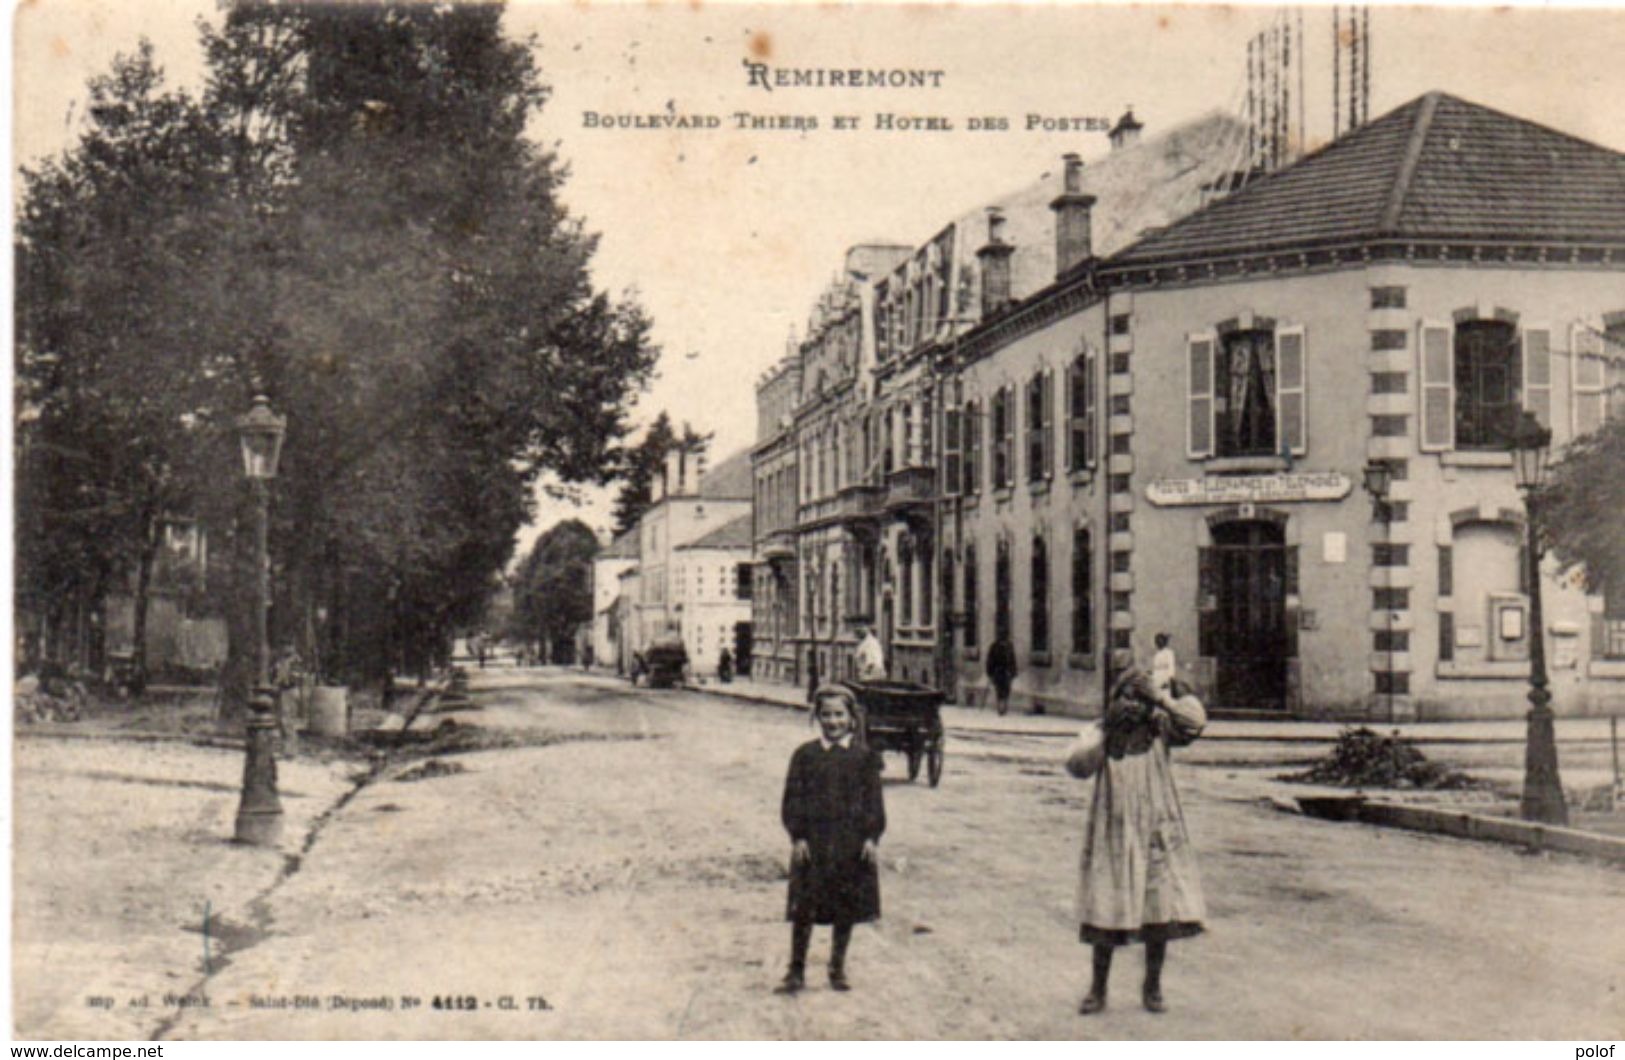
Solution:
(1083, 587)
(970, 596)
(1040, 595)
(1001, 591)
(905, 578)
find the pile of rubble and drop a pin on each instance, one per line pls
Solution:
(1363, 758)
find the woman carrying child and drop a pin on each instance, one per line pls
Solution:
(1138, 881)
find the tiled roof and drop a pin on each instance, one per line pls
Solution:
(623, 547)
(735, 533)
(1436, 168)
(729, 480)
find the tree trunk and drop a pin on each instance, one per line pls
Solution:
(143, 587)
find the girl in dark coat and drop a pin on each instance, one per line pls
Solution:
(835, 815)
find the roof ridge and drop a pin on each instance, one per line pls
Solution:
(1408, 161)
(1529, 122)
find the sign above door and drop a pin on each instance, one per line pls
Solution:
(1284, 488)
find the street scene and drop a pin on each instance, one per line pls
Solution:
(617, 852)
(734, 522)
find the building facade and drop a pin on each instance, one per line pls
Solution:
(1153, 413)
(689, 502)
(712, 589)
(620, 555)
(1461, 268)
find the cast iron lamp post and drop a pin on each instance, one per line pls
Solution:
(1379, 479)
(1542, 789)
(259, 815)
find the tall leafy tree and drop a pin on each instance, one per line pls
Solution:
(1579, 509)
(352, 221)
(553, 588)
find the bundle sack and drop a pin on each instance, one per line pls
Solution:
(1087, 754)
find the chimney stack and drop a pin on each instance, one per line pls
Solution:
(995, 259)
(699, 463)
(1126, 133)
(1073, 241)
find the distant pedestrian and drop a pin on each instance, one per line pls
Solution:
(812, 677)
(835, 814)
(1164, 664)
(871, 657)
(1138, 881)
(1001, 670)
(725, 667)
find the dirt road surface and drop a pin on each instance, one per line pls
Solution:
(617, 871)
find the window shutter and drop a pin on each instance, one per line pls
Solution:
(1091, 411)
(1199, 388)
(951, 472)
(1049, 423)
(1587, 377)
(1438, 376)
(1291, 404)
(1537, 372)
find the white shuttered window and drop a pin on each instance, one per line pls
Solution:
(1291, 408)
(1199, 387)
(1588, 379)
(1436, 370)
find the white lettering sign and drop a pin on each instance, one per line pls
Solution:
(1250, 489)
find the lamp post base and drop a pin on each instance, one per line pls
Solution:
(1542, 790)
(259, 814)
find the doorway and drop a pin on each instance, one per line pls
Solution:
(1250, 643)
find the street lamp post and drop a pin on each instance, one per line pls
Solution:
(1379, 480)
(1542, 789)
(259, 814)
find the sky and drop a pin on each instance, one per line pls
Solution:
(728, 235)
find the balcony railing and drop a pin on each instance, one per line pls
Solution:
(859, 501)
(779, 545)
(911, 487)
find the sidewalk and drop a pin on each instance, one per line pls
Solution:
(981, 721)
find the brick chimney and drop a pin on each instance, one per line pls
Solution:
(1073, 242)
(698, 464)
(995, 258)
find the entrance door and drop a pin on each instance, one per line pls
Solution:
(1249, 630)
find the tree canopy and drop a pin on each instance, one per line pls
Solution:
(553, 589)
(644, 462)
(1580, 507)
(351, 220)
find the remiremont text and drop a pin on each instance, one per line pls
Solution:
(768, 78)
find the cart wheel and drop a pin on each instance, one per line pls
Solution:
(934, 765)
(914, 758)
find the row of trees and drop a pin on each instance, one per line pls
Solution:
(350, 219)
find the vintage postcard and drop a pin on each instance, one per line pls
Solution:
(810, 521)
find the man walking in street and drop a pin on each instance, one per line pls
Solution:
(1001, 670)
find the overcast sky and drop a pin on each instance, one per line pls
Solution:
(729, 235)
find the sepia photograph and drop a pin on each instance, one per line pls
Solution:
(770, 522)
